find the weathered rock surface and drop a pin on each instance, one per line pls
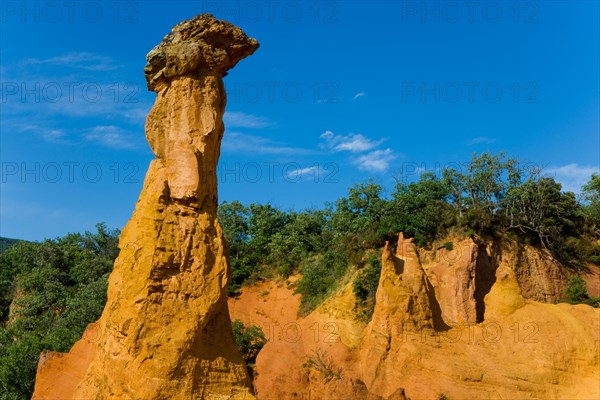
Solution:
(165, 331)
(464, 275)
(591, 275)
(454, 273)
(521, 348)
(331, 332)
(540, 276)
(403, 304)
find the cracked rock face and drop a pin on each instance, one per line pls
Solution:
(165, 331)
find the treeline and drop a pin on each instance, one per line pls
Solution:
(493, 195)
(49, 292)
(6, 243)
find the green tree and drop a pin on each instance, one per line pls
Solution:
(233, 218)
(576, 292)
(365, 287)
(591, 197)
(539, 209)
(55, 289)
(249, 339)
(420, 209)
(483, 185)
(263, 223)
(360, 214)
(305, 234)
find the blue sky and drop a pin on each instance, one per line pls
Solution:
(338, 92)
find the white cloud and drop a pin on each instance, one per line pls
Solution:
(305, 173)
(110, 136)
(354, 142)
(481, 140)
(571, 176)
(79, 60)
(250, 144)
(375, 161)
(54, 135)
(358, 95)
(233, 119)
(48, 134)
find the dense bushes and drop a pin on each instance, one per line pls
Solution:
(365, 287)
(249, 340)
(320, 274)
(6, 243)
(576, 293)
(50, 292)
(420, 209)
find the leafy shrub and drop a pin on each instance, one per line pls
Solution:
(249, 340)
(420, 209)
(320, 275)
(582, 248)
(365, 287)
(576, 293)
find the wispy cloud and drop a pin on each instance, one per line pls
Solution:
(364, 153)
(359, 95)
(375, 161)
(72, 85)
(78, 60)
(354, 142)
(233, 119)
(54, 135)
(50, 135)
(305, 173)
(250, 144)
(110, 136)
(481, 140)
(572, 176)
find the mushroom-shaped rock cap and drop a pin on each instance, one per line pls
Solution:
(201, 43)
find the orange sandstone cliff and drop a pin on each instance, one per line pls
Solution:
(165, 332)
(473, 322)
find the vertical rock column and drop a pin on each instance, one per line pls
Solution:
(165, 332)
(403, 312)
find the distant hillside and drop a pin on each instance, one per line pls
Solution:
(6, 243)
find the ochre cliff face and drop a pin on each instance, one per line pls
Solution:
(456, 322)
(165, 331)
(496, 340)
(403, 304)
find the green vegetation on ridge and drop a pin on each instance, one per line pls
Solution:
(6, 243)
(49, 292)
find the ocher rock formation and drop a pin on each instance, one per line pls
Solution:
(540, 276)
(519, 349)
(403, 304)
(462, 277)
(165, 332)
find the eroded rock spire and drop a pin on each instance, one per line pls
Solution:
(165, 331)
